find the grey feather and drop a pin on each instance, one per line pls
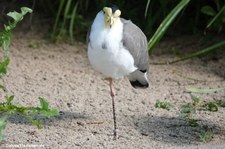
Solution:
(134, 40)
(136, 43)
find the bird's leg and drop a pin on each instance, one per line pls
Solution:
(112, 93)
(112, 89)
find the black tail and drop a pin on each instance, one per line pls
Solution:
(138, 79)
(137, 84)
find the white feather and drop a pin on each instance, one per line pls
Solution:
(112, 59)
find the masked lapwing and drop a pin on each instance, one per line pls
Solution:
(118, 48)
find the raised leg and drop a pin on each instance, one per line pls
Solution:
(112, 93)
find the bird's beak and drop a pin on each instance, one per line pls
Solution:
(111, 21)
(110, 17)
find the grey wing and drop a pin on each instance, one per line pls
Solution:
(135, 42)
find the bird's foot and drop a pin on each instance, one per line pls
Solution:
(115, 134)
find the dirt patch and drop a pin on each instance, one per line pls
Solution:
(62, 74)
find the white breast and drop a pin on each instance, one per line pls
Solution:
(105, 50)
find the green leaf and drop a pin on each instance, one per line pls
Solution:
(37, 123)
(206, 134)
(44, 103)
(6, 38)
(208, 10)
(216, 17)
(163, 105)
(213, 107)
(165, 24)
(193, 122)
(204, 90)
(4, 66)
(44, 110)
(3, 124)
(19, 16)
(186, 108)
(15, 15)
(49, 113)
(25, 10)
(9, 99)
(195, 99)
(6, 34)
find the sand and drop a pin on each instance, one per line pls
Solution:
(62, 74)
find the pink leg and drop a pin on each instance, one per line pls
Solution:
(112, 89)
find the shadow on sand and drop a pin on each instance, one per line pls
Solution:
(64, 116)
(172, 130)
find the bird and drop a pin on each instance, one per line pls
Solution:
(117, 48)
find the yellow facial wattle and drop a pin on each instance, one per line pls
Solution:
(109, 17)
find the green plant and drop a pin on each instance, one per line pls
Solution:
(71, 28)
(202, 52)
(68, 11)
(205, 133)
(8, 108)
(165, 24)
(163, 105)
(217, 16)
(204, 90)
(154, 13)
(189, 111)
(211, 106)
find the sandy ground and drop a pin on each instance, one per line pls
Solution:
(62, 74)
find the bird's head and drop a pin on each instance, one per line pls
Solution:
(111, 15)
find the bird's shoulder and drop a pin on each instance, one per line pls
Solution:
(135, 41)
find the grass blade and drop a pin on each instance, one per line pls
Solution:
(72, 22)
(201, 52)
(204, 90)
(216, 16)
(146, 8)
(57, 17)
(65, 17)
(165, 24)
